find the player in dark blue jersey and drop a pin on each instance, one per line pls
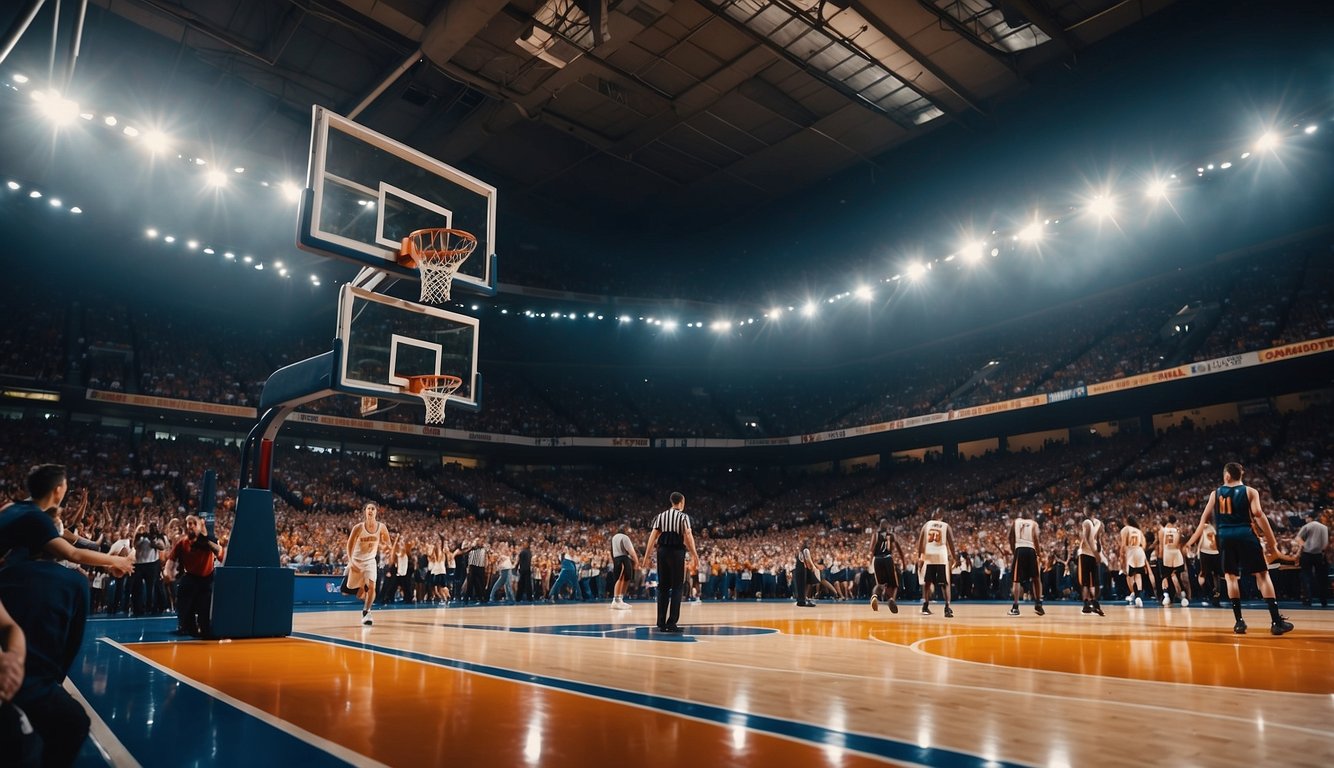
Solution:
(1237, 510)
(883, 546)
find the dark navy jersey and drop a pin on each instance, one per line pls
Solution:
(881, 546)
(1232, 507)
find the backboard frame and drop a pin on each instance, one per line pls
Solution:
(395, 387)
(382, 254)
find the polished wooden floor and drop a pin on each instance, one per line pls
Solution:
(748, 684)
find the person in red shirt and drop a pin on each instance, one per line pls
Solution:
(195, 552)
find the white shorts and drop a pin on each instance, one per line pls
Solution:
(1172, 558)
(360, 573)
(1135, 557)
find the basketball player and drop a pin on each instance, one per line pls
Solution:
(1132, 548)
(1237, 508)
(935, 554)
(1172, 562)
(1211, 562)
(624, 562)
(363, 545)
(1024, 547)
(882, 564)
(1090, 553)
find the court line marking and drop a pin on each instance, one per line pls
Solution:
(939, 657)
(985, 689)
(727, 718)
(108, 745)
(319, 742)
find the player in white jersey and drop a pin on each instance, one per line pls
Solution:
(1172, 562)
(624, 562)
(1211, 563)
(363, 545)
(935, 554)
(1132, 548)
(1024, 546)
(1090, 555)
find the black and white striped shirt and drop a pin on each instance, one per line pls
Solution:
(671, 525)
(477, 557)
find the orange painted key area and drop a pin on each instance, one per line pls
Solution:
(403, 712)
(1296, 663)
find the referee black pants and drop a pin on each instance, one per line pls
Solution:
(671, 581)
(1316, 574)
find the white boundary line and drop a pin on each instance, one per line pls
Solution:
(295, 731)
(940, 657)
(111, 748)
(979, 688)
(519, 674)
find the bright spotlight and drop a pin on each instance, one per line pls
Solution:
(229, 255)
(809, 309)
(260, 266)
(1310, 129)
(55, 202)
(216, 178)
(130, 131)
(76, 209)
(624, 318)
(915, 270)
(1102, 206)
(290, 191)
(209, 251)
(34, 194)
(1031, 233)
(972, 252)
(154, 141)
(13, 185)
(775, 312)
(20, 79)
(719, 326)
(247, 259)
(151, 233)
(1267, 141)
(110, 120)
(669, 325)
(238, 169)
(283, 272)
(862, 292)
(169, 239)
(61, 111)
(1156, 190)
(192, 244)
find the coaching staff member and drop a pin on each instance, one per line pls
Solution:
(671, 534)
(195, 552)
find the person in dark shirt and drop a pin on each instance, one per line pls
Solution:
(50, 603)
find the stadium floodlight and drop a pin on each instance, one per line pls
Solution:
(247, 259)
(156, 142)
(216, 178)
(809, 309)
(1226, 166)
(863, 292)
(624, 318)
(972, 252)
(719, 326)
(290, 191)
(231, 256)
(238, 169)
(916, 270)
(34, 194)
(1156, 190)
(670, 325)
(1102, 206)
(1245, 155)
(55, 202)
(209, 251)
(1310, 129)
(110, 120)
(775, 312)
(20, 78)
(169, 239)
(76, 209)
(1268, 141)
(1031, 233)
(151, 233)
(14, 185)
(58, 109)
(260, 266)
(130, 131)
(192, 244)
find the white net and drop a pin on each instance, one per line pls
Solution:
(438, 254)
(434, 392)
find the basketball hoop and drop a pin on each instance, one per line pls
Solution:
(437, 254)
(434, 391)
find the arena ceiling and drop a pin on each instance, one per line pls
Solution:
(694, 108)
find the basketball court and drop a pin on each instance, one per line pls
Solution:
(749, 683)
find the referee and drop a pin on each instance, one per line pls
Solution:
(671, 533)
